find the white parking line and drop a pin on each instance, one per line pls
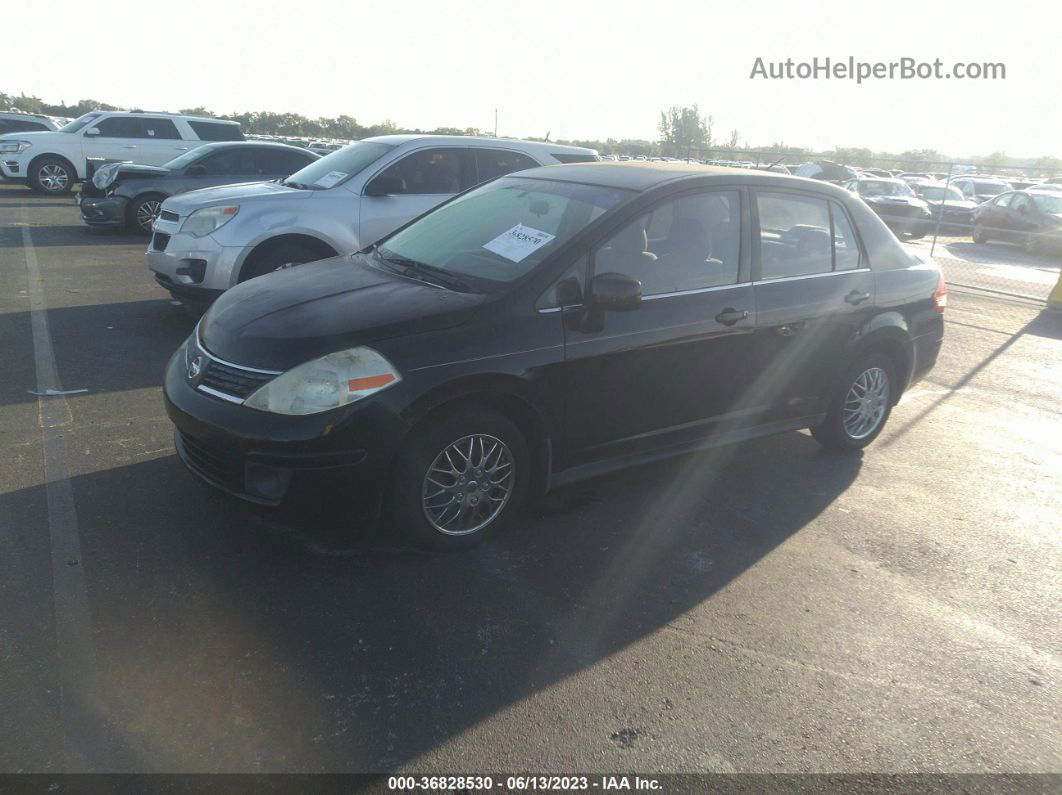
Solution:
(78, 672)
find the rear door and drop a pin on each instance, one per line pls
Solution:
(279, 163)
(231, 165)
(677, 367)
(159, 140)
(428, 177)
(813, 290)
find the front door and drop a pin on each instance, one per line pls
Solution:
(424, 179)
(675, 368)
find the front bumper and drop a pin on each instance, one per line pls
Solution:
(340, 457)
(193, 269)
(102, 210)
(13, 167)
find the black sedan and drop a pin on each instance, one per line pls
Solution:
(947, 205)
(896, 203)
(1032, 219)
(553, 325)
(130, 196)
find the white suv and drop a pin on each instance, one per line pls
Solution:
(205, 241)
(52, 161)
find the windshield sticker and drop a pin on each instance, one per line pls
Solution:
(331, 178)
(518, 242)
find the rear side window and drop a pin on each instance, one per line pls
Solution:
(212, 131)
(569, 157)
(491, 163)
(158, 129)
(281, 162)
(1004, 200)
(804, 235)
(231, 162)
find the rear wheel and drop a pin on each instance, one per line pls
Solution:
(52, 176)
(861, 406)
(979, 234)
(459, 479)
(1030, 243)
(142, 211)
(278, 257)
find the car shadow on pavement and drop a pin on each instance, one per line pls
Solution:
(230, 640)
(101, 347)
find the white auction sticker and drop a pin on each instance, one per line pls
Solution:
(518, 242)
(331, 178)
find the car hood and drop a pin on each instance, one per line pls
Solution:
(908, 200)
(186, 203)
(135, 169)
(289, 317)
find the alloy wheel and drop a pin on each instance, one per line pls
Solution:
(866, 403)
(147, 212)
(468, 484)
(53, 178)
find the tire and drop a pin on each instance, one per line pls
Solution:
(278, 257)
(868, 369)
(979, 235)
(1030, 244)
(51, 176)
(424, 510)
(142, 212)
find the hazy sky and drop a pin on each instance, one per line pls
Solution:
(575, 69)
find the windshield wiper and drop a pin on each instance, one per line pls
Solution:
(409, 267)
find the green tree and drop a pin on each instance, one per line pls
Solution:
(684, 131)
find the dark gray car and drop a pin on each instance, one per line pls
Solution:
(130, 195)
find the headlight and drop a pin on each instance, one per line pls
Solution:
(202, 222)
(14, 147)
(326, 383)
(105, 175)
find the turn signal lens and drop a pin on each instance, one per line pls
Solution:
(940, 295)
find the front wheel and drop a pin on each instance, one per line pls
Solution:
(51, 176)
(979, 234)
(142, 211)
(459, 479)
(1030, 243)
(276, 258)
(861, 405)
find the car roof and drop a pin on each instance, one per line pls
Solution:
(641, 175)
(476, 139)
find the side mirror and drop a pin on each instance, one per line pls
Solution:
(195, 171)
(615, 292)
(385, 186)
(92, 131)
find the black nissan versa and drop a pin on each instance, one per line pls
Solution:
(551, 325)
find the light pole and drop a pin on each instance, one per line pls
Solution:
(495, 122)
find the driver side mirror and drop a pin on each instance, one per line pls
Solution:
(385, 186)
(615, 292)
(92, 131)
(195, 171)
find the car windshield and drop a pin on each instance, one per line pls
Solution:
(501, 231)
(190, 156)
(881, 187)
(79, 122)
(990, 188)
(935, 193)
(339, 166)
(1048, 204)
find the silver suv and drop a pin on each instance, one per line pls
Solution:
(208, 240)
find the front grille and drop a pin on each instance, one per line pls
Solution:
(233, 380)
(159, 241)
(213, 462)
(166, 215)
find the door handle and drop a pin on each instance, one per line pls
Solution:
(730, 316)
(855, 298)
(129, 146)
(182, 148)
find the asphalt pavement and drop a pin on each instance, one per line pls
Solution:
(765, 607)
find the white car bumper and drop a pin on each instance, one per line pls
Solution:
(194, 269)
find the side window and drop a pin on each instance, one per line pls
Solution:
(491, 163)
(210, 131)
(689, 243)
(281, 162)
(567, 290)
(845, 245)
(231, 162)
(158, 129)
(119, 127)
(794, 235)
(1004, 200)
(20, 125)
(444, 170)
(1021, 203)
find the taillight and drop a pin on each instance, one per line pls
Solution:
(940, 295)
